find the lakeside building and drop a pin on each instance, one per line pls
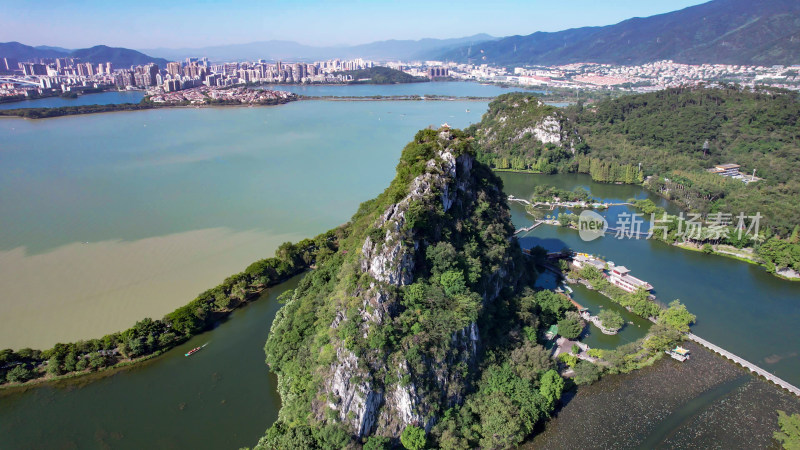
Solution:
(733, 171)
(620, 276)
(727, 170)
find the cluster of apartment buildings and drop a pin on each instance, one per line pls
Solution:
(69, 73)
(65, 74)
(640, 78)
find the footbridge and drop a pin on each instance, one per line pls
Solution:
(746, 364)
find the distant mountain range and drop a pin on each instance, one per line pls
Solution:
(763, 32)
(119, 57)
(288, 50)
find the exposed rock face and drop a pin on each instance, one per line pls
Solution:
(547, 131)
(526, 117)
(357, 401)
(386, 407)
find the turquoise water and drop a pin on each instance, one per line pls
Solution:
(102, 98)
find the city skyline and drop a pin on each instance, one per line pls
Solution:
(183, 24)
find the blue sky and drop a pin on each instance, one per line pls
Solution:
(181, 23)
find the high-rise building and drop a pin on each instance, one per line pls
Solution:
(8, 65)
(124, 78)
(109, 68)
(174, 68)
(34, 69)
(89, 69)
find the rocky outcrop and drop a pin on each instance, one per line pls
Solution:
(546, 131)
(356, 393)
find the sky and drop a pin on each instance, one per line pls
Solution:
(146, 24)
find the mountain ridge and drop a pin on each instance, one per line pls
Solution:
(720, 31)
(118, 56)
(282, 49)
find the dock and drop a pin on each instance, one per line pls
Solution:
(746, 364)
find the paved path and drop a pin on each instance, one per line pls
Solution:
(746, 364)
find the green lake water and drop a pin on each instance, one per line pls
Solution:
(220, 397)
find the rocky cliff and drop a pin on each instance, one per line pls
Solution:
(388, 332)
(523, 123)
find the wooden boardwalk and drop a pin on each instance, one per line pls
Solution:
(746, 364)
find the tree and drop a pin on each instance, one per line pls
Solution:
(453, 283)
(70, 361)
(570, 328)
(443, 257)
(413, 438)
(377, 443)
(530, 359)
(586, 373)
(19, 374)
(551, 386)
(54, 366)
(662, 337)
(611, 319)
(789, 436)
(677, 316)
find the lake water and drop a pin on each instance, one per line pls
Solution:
(446, 88)
(102, 98)
(450, 88)
(110, 218)
(221, 397)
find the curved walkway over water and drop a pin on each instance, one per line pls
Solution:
(746, 364)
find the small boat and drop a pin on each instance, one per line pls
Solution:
(195, 350)
(467, 110)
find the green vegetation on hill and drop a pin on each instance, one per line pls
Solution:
(679, 133)
(401, 340)
(381, 75)
(719, 31)
(521, 133)
(674, 136)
